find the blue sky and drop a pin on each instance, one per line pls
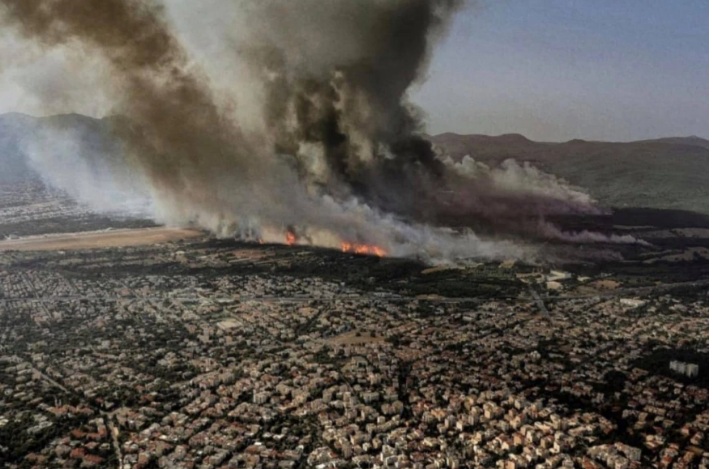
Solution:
(561, 69)
(552, 70)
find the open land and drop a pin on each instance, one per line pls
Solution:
(101, 239)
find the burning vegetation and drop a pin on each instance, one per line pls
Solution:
(363, 249)
(290, 237)
(313, 130)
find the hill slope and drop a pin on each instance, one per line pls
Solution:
(668, 173)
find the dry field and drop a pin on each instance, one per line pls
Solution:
(355, 338)
(98, 239)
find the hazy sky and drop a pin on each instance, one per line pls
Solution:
(557, 70)
(549, 69)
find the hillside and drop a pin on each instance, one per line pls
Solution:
(668, 173)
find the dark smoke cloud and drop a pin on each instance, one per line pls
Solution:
(340, 153)
(343, 93)
(171, 123)
(338, 94)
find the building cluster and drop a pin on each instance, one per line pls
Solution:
(193, 357)
(688, 369)
(31, 202)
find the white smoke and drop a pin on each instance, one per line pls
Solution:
(587, 236)
(514, 177)
(63, 160)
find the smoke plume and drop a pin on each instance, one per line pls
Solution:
(291, 116)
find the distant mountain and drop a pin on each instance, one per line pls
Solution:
(667, 173)
(692, 140)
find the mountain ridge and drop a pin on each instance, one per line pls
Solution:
(693, 140)
(664, 173)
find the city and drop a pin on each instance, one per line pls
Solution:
(222, 354)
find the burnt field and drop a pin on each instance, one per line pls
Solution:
(672, 247)
(210, 258)
(638, 221)
(668, 256)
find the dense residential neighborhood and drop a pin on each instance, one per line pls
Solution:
(198, 355)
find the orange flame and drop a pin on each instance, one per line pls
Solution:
(290, 238)
(367, 249)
